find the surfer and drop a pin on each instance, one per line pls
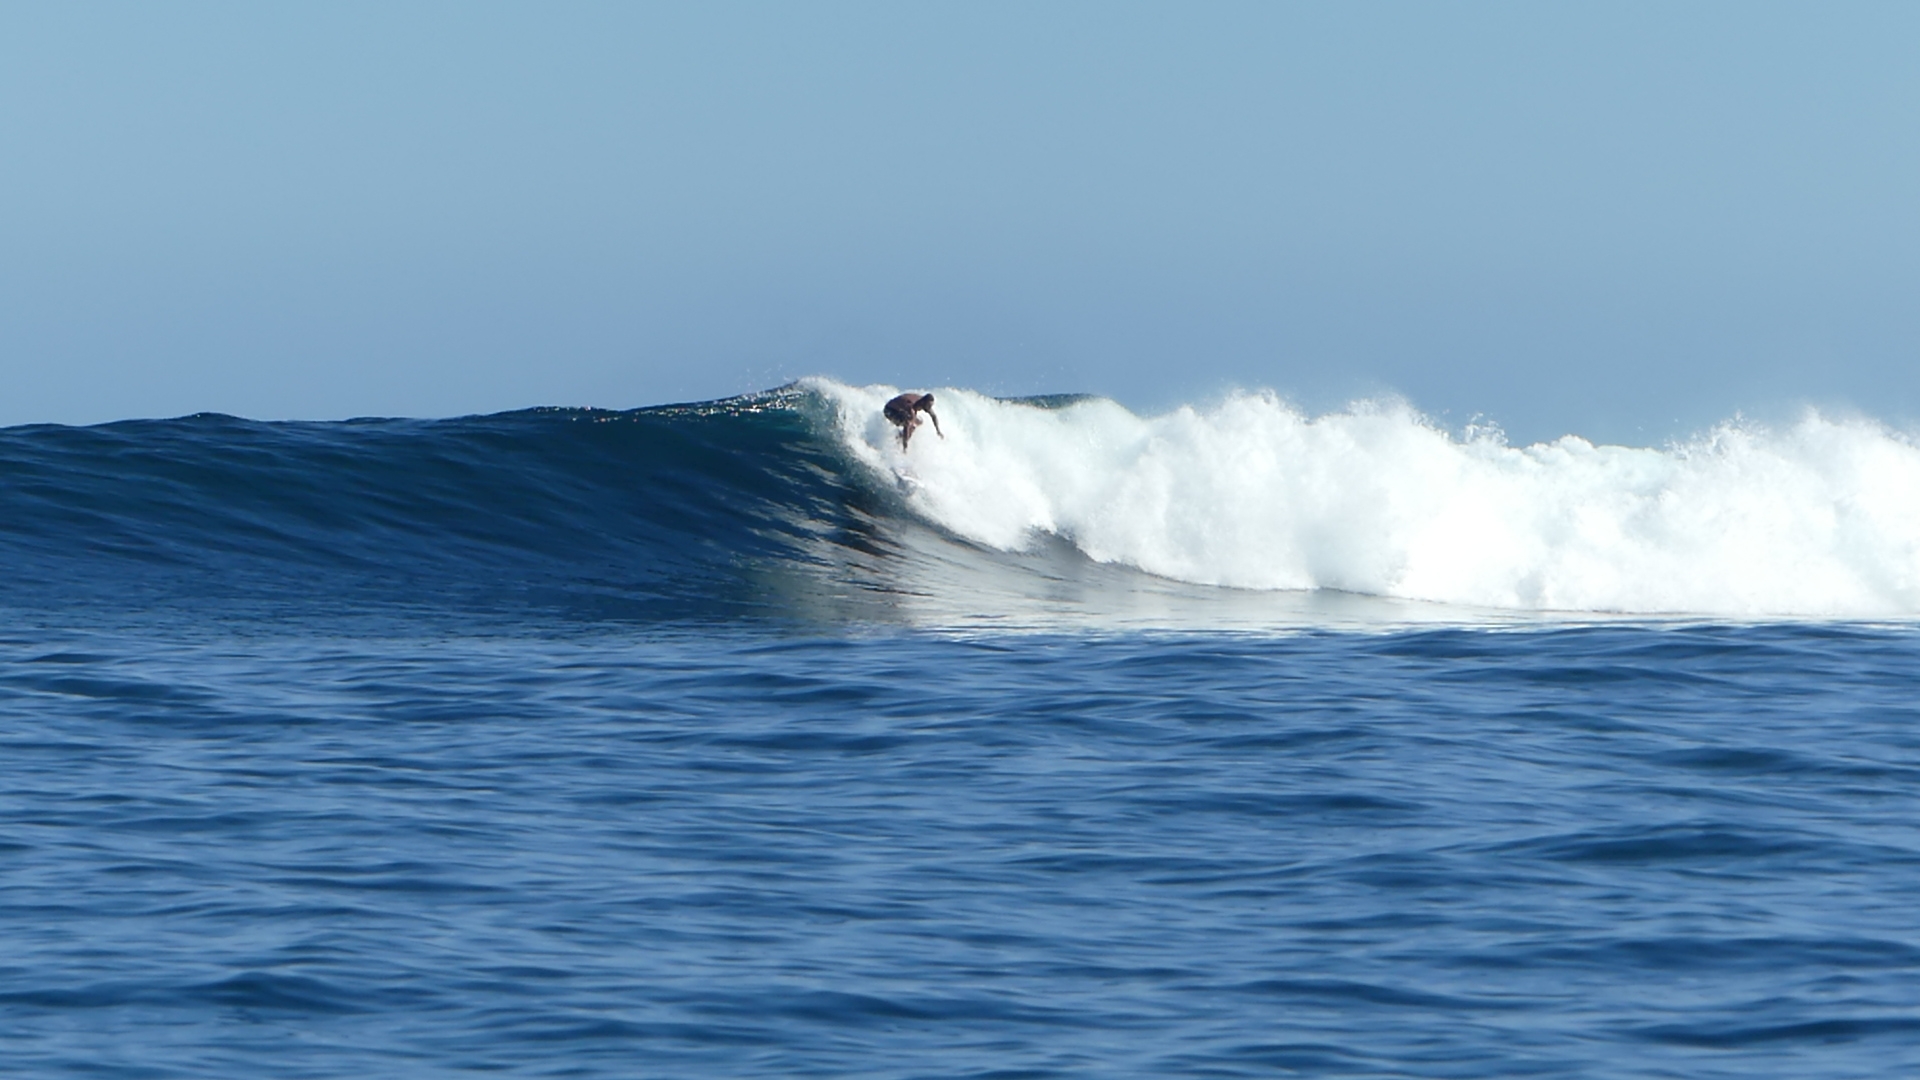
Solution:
(905, 412)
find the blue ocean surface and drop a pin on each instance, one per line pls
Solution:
(734, 740)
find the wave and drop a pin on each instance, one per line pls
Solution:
(1822, 518)
(798, 504)
(651, 513)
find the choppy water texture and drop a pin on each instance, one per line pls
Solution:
(691, 742)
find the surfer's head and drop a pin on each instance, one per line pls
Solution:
(925, 405)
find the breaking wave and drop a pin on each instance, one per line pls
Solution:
(798, 504)
(1821, 518)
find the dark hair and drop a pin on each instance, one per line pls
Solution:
(925, 402)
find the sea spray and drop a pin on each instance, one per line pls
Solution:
(1819, 518)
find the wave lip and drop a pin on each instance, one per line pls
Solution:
(1818, 519)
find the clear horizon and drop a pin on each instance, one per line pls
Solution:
(1625, 222)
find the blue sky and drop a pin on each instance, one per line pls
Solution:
(1625, 220)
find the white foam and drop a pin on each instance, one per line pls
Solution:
(1822, 518)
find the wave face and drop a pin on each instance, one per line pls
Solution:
(798, 504)
(653, 513)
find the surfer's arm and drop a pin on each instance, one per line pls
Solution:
(936, 424)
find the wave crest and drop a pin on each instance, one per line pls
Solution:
(1819, 518)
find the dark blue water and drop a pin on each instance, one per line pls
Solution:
(661, 744)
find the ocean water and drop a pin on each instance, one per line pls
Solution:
(731, 740)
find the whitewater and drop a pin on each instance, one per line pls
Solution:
(1817, 519)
